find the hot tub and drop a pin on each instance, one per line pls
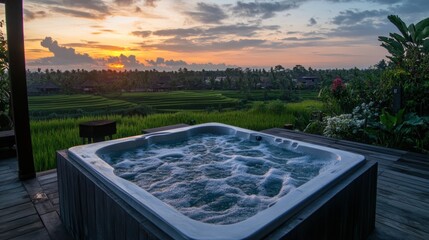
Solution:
(170, 221)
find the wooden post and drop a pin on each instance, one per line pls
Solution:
(15, 40)
(397, 99)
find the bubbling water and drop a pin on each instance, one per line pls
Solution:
(216, 179)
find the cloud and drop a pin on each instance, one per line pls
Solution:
(187, 45)
(353, 17)
(124, 2)
(303, 39)
(94, 45)
(171, 65)
(262, 9)
(414, 7)
(129, 62)
(93, 9)
(385, 1)
(100, 31)
(62, 55)
(207, 13)
(77, 13)
(366, 29)
(141, 33)
(97, 5)
(30, 15)
(150, 3)
(161, 62)
(236, 30)
(312, 22)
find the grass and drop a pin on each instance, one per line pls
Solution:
(64, 104)
(261, 95)
(180, 100)
(48, 136)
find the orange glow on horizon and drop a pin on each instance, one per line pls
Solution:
(117, 66)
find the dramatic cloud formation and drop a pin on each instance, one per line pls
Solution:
(207, 13)
(62, 55)
(262, 9)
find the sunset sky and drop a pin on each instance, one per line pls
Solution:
(169, 34)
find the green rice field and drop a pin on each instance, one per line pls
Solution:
(54, 106)
(66, 104)
(181, 100)
(48, 136)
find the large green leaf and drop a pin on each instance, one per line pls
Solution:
(412, 30)
(422, 25)
(395, 48)
(414, 120)
(423, 34)
(396, 20)
(399, 38)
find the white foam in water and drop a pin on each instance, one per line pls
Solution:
(217, 179)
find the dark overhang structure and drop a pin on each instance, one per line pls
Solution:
(17, 73)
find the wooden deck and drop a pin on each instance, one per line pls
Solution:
(29, 209)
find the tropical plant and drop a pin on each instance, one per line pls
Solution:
(405, 131)
(410, 57)
(414, 37)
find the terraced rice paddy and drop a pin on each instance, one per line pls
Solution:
(181, 100)
(64, 103)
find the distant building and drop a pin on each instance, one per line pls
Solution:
(163, 83)
(43, 88)
(307, 82)
(88, 86)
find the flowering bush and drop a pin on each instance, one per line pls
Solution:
(368, 112)
(343, 126)
(352, 126)
(338, 87)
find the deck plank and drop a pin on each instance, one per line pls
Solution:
(39, 234)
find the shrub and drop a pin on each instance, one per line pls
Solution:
(404, 131)
(344, 126)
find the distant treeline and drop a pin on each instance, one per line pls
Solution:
(244, 80)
